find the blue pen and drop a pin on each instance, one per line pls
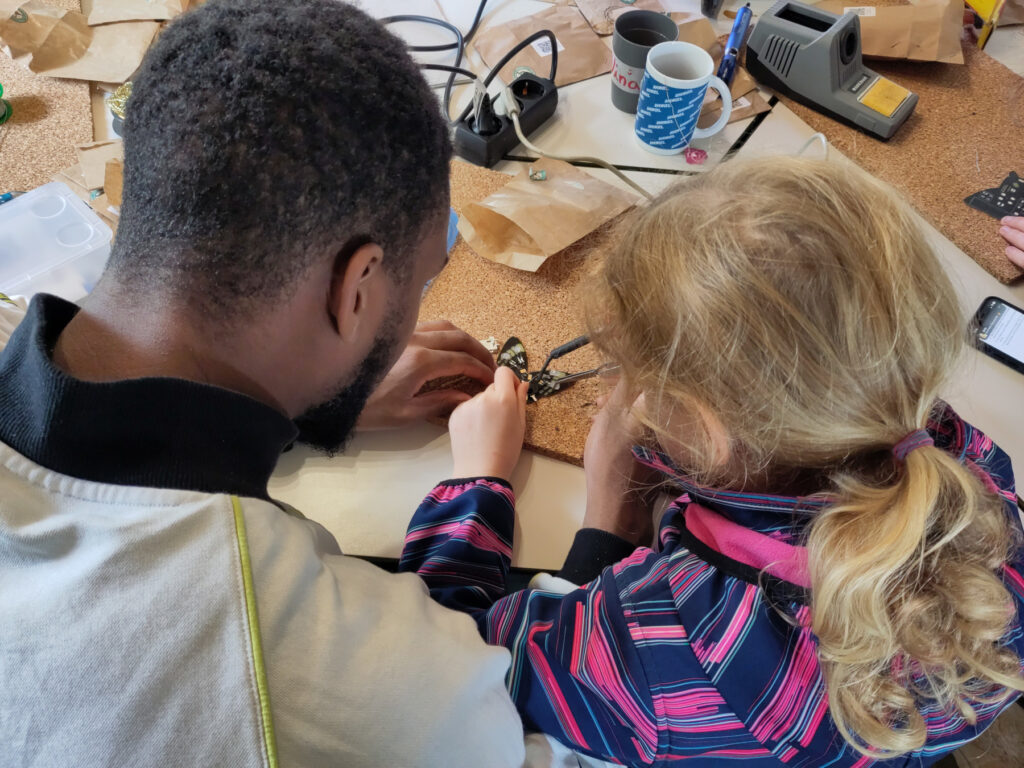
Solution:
(6, 197)
(727, 68)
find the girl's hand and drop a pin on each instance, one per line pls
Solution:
(616, 483)
(487, 431)
(1012, 230)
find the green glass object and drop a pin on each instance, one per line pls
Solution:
(6, 110)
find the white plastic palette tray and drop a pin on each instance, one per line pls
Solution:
(51, 242)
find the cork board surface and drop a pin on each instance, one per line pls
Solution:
(50, 117)
(541, 308)
(966, 134)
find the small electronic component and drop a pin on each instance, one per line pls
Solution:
(1005, 200)
(547, 382)
(815, 58)
(542, 383)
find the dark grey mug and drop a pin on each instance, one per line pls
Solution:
(636, 32)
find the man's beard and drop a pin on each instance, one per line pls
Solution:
(329, 426)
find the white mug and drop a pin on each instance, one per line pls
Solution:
(677, 77)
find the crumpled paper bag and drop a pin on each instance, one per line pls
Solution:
(41, 36)
(93, 159)
(106, 11)
(1012, 13)
(526, 222)
(928, 30)
(581, 54)
(113, 181)
(742, 107)
(601, 14)
(59, 43)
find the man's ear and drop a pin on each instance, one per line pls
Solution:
(352, 283)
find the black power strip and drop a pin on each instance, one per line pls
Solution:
(538, 99)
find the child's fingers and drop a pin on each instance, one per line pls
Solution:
(505, 383)
(1012, 235)
(522, 392)
(622, 396)
(1016, 255)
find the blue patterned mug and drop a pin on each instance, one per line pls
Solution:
(677, 77)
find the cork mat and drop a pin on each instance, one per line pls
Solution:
(50, 117)
(541, 308)
(966, 134)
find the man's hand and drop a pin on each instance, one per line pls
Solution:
(617, 484)
(1012, 230)
(436, 350)
(487, 432)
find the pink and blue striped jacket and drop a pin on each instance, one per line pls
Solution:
(679, 651)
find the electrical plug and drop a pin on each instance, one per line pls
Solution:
(533, 98)
(484, 122)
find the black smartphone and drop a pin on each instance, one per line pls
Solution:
(999, 332)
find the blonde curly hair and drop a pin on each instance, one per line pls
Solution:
(794, 307)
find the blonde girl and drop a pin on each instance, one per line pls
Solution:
(839, 580)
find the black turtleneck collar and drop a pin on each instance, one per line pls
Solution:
(154, 432)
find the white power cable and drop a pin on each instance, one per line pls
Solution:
(512, 109)
(479, 94)
(816, 137)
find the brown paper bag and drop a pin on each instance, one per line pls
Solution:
(926, 31)
(113, 181)
(699, 32)
(742, 107)
(73, 178)
(601, 14)
(115, 53)
(41, 37)
(101, 205)
(93, 159)
(106, 11)
(581, 54)
(526, 221)
(58, 43)
(1012, 13)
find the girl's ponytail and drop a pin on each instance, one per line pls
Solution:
(906, 600)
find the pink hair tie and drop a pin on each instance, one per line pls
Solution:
(911, 442)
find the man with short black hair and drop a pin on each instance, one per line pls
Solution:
(285, 201)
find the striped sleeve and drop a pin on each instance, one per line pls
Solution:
(576, 674)
(460, 542)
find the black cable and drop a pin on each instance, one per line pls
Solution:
(446, 68)
(458, 45)
(476, 20)
(441, 22)
(508, 57)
